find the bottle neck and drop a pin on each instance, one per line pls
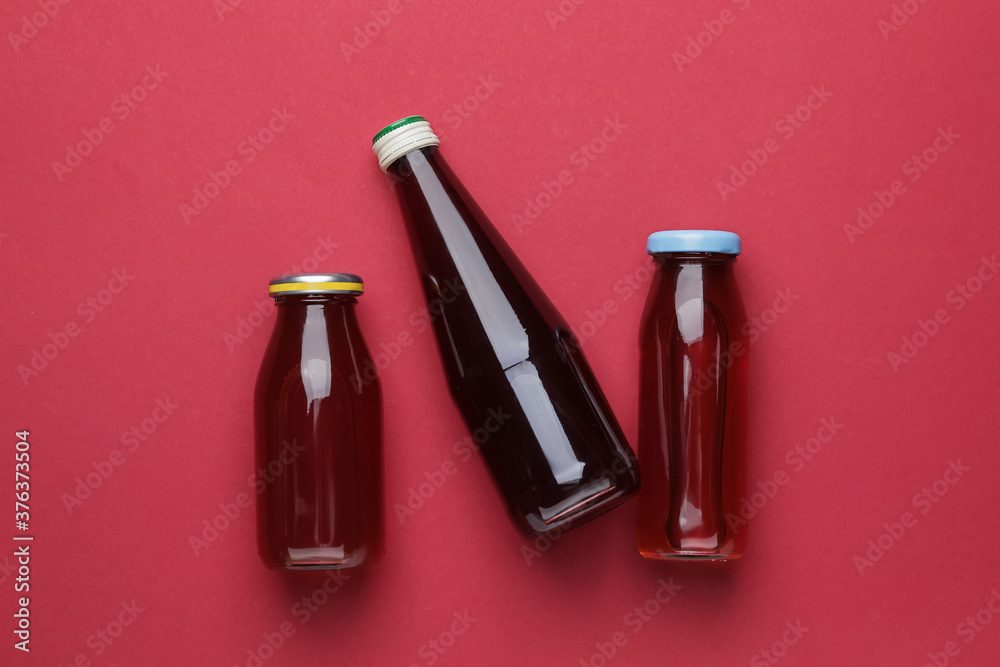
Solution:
(690, 271)
(402, 168)
(310, 319)
(303, 300)
(716, 258)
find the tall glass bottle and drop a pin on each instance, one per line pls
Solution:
(692, 399)
(514, 369)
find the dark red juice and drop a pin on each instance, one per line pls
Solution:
(692, 411)
(514, 369)
(318, 436)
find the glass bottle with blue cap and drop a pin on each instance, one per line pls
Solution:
(693, 400)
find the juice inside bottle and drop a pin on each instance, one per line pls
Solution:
(692, 410)
(318, 435)
(556, 452)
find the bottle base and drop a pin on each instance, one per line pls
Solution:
(317, 559)
(680, 555)
(576, 512)
(300, 567)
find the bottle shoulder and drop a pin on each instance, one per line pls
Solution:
(675, 293)
(329, 341)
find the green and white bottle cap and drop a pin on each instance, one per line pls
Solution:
(399, 138)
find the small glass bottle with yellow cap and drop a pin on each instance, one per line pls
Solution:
(318, 430)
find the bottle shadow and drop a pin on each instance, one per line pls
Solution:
(602, 553)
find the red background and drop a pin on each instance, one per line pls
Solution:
(164, 336)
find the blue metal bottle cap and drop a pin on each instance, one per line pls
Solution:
(693, 240)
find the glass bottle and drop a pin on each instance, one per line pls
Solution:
(514, 369)
(692, 399)
(318, 430)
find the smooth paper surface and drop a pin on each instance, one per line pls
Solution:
(161, 161)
